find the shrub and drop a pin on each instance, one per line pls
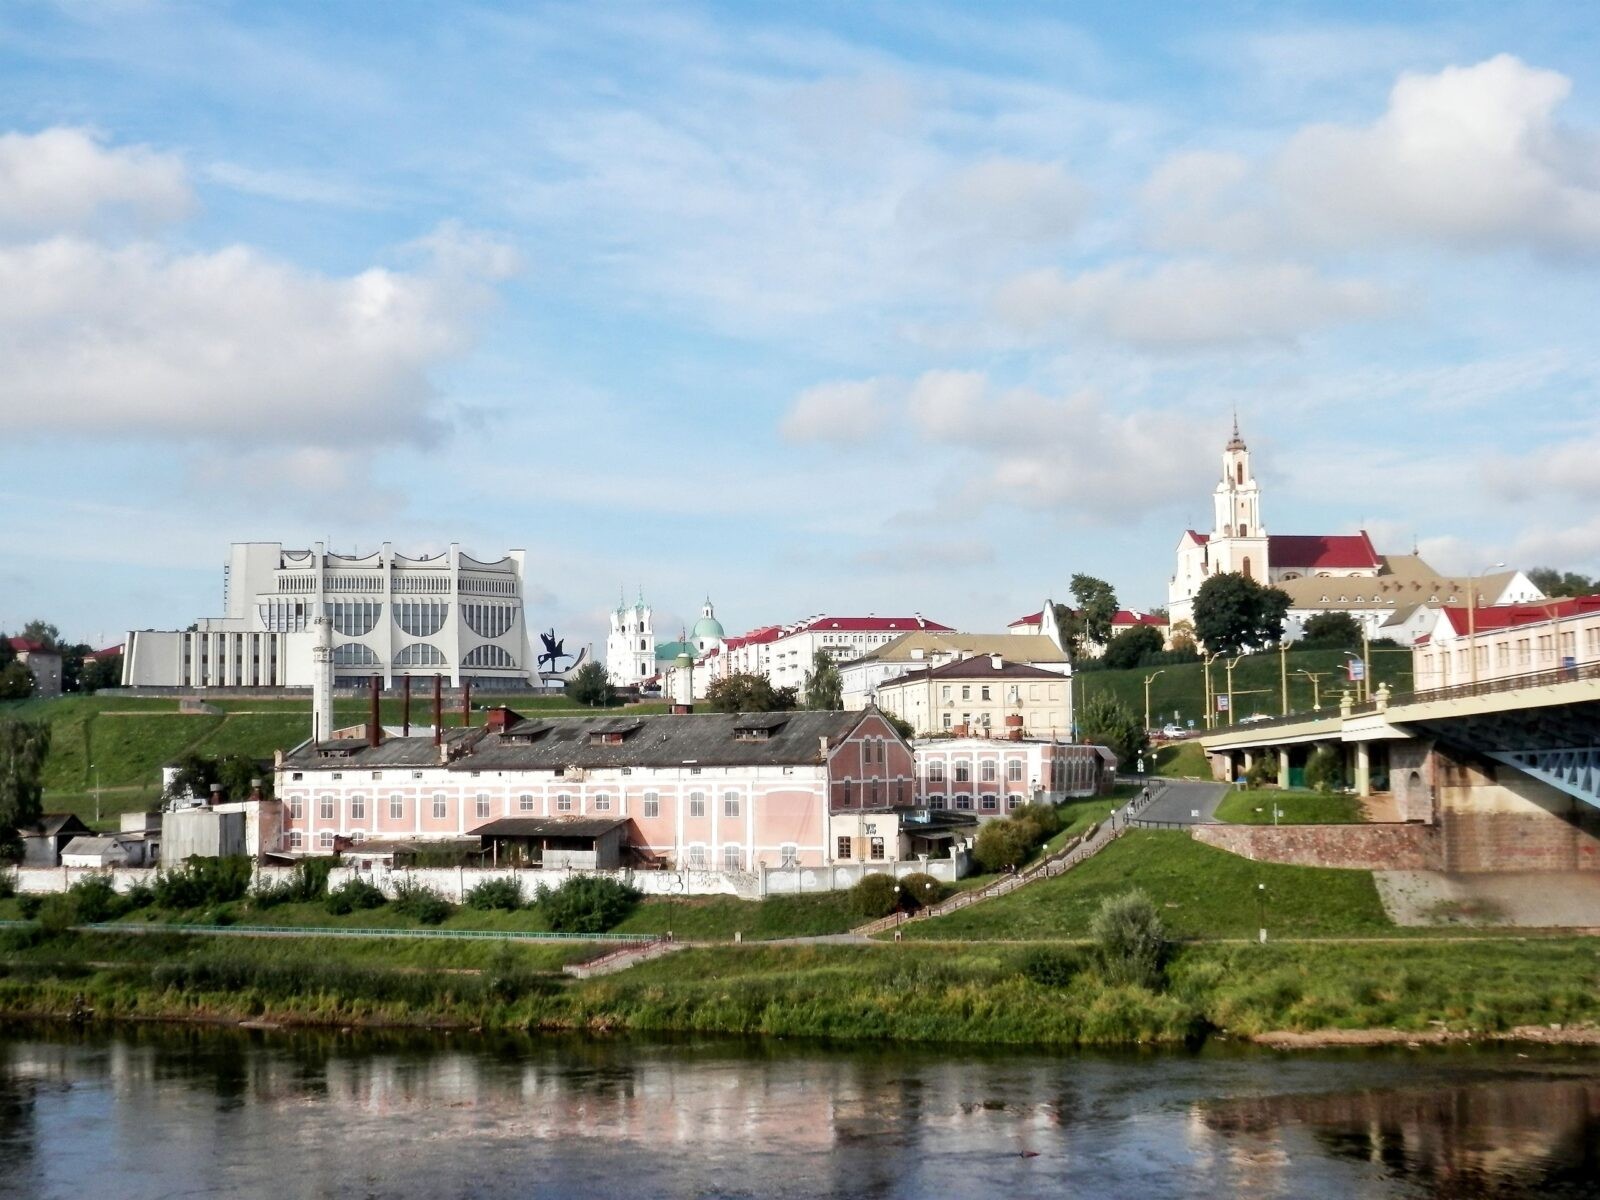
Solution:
(93, 900)
(1263, 771)
(586, 904)
(496, 893)
(353, 895)
(874, 896)
(921, 889)
(140, 895)
(57, 914)
(1050, 967)
(1323, 770)
(1003, 843)
(1042, 820)
(8, 885)
(420, 902)
(307, 882)
(1130, 941)
(29, 906)
(203, 881)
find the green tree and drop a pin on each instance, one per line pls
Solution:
(590, 686)
(749, 693)
(874, 896)
(1097, 605)
(1001, 844)
(1233, 613)
(1182, 636)
(586, 904)
(1324, 771)
(23, 748)
(1104, 720)
(16, 682)
(1331, 631)
(1069, 628)
(1130, 940)
(1130, 647)
(1562, 583)
(46, 634)
(824, 688)
(900, 724)
(104, 672)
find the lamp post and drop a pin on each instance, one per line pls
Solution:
(1261, 912)
(1209, 704)
(1472, 616)
(1316, 686)
(1230, 667)
(1147, 681)
(897, 912)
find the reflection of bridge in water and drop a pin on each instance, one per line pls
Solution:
(1507, 771)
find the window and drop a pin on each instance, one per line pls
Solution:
(963, 772)
(936, 802)
(602, 803)
(843, 850)
(420, 654)
(984, 692)
(988, 771)
(439, 810)
(325, 808)
(732, 858)
(966, 691)
(483, 806)
(947, 718)
(1014, 772)
(525, 802)
(488, 655)
(1013, 802)
(358, 808)
(697, 804)
(788, 855)
(564, 803)
(989, 803)
(875, 849)
(297, 840)
(846, 800)
(964, 803)
(697, 858)
(298, 775)
(944, 692)
(297, 808)
(652, 804)
(936, 771)
(397, 807)
(730, 804)
(325, 839)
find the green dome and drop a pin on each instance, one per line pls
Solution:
(669, 651)
(707, 628)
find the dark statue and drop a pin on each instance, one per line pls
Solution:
(553, 652)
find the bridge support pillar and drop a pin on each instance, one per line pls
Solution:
(1363, 768)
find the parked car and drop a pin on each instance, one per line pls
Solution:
(1173, 731)
(1254, 717)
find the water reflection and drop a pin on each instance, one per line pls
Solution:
(203, 1112)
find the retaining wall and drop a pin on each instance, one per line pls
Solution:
(1407, 847)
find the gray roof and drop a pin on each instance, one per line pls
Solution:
(53, 824)
(92, 845)
(979, 667)
(579, 827)
(552, 743)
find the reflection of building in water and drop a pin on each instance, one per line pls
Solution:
(1456, 1138)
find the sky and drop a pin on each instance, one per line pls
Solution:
(835, 307)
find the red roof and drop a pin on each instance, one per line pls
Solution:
(24, 646)
(1032, 619)
(1322, 552)
(874, 624)
(1202, 538)
(1509, 616)
(1126, 616)
(108, 652)
(756, 637)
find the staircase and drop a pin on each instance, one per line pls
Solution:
(622, 958)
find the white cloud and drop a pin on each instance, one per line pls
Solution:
(1469, 157)
(66, 179)
(1569, 469)
(842, 412)
(1568, 548)
(1187, 303)
(1003, 199)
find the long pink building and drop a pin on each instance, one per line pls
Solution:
(715, 791)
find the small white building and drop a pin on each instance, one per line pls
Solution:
(109, 850)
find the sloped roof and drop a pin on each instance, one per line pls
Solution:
(869, 624)
(92, 845)
(1402, 580)
(1127, 617)
(1509, 616)
(978, 667)
(1031, 619)
(53, 824)
(1023, 647)
(578, 827)
(1322, 552)
(755, 637)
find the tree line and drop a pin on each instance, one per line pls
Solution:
(16, 680)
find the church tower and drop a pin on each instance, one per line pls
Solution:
(1238, 541)
(631, 644)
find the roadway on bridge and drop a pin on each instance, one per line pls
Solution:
(1182, 799)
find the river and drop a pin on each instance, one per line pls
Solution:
(165, 1112)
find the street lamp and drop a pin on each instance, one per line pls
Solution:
(1472, 616)
(1230, 667)
(1261, 912)
(1147, 681)
(1316, 686)
(897, 913)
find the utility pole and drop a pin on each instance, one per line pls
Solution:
(1472, 617)
(1147, 679)
(1283, 672)
(1230, 667)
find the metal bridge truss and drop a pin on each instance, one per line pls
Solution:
(1573, 771)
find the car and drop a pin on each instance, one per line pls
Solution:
(1173, 731)
(1254, 717)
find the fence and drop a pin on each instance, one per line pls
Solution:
(794, 881)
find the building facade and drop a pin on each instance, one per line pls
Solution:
(991, 777)
(862, 676)
(986, 693)
(447, 614)
(1496, 643)
(631, 644)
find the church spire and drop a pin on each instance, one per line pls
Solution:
(1237, 442)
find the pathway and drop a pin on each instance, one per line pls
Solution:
(1184, 802)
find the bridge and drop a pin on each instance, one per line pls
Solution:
(1508, 769)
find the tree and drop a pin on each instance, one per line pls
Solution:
(1069, 628)
(590, 686)
(824, 688)
(1331, 631)
(748, 693)
(104, 672)
(1097, 606)
(1233, 613)
(1130, 647)
(1130, 941)
(23, 747)
(46, 634)
(1182, 636)
(900, 724)
(1104, 720)
(1562, 583)
(16, 682)
(1001, 844)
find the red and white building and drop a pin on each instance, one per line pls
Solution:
(990, 777)
(1498, 642)
(1123, 620)
(715, 791)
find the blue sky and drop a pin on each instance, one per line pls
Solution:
(833, 307)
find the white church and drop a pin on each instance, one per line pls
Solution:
(1389, 595)
(634, 657)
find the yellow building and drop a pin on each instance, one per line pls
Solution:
(980, 694)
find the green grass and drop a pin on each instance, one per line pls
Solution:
(1242, 807)
(1257, 684)
(1202, 892)
(1182, 760)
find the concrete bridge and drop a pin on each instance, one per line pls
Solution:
(1507, 771)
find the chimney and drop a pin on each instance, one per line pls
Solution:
(995, 661)
(375, 713)
(322, 680)
(466, 703)
(501, 718)
(255, 789)
(438, 708)
(405, 706)
(216, 795)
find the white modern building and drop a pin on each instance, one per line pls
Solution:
(861, 677)
(447, 614)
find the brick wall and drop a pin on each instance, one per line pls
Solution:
(1409, 847)
(1495, 818)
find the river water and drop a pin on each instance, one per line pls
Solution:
(165, 1112)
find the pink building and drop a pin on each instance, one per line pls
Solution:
(991, 777)
(713, 791)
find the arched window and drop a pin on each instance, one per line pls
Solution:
(421, 618)
(489, 656)
(1238, 471)
(354, 654)
(1247, 565)
(420, 654)
(1244, 531)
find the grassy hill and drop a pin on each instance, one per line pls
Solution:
(1257, 683)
